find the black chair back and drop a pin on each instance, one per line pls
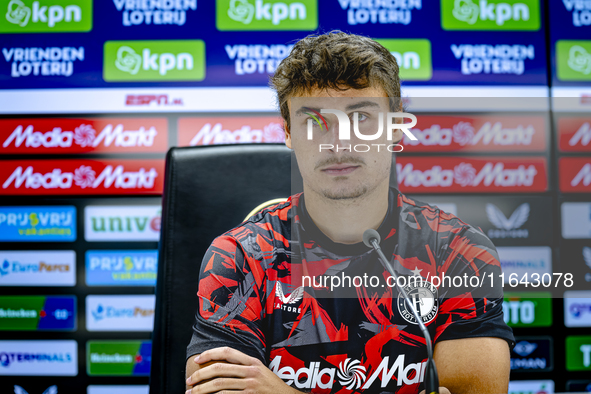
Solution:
(207, 191)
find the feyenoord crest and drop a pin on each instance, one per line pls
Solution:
(423, 296)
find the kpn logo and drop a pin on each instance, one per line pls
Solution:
(573, 60)
(235, 15)
(413, 57)
(45, 16)
(490, 14)
(166, 60)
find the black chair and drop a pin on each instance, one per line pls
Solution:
(207, 191)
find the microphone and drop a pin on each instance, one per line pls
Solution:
(371, 238)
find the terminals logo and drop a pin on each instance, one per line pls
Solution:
(170, 60)
(119, 358)
(38, 358)
(45, 16)
(490, 15)
(266, 15)
(508, 227)
(524, 260)
(573, 60)
(413, 57)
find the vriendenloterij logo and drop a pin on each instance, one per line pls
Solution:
(45, 16)
(490, 14)
(233, 15)
(573, 60)
(413, 57)
(165, 60)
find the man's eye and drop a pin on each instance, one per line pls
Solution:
(314, 122)
(359, 117)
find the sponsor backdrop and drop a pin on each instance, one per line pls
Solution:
(88, 114)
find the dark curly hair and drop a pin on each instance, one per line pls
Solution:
(334, 60)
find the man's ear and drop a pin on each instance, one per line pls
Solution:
(287, 135)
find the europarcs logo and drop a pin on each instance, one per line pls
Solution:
(45, 16)
(162, 60)
(237, 15)
(490, 15)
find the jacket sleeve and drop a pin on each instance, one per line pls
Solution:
(230, 310)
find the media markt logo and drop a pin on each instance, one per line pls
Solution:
(490, 14)
(413, 57)
(165, 60)
(123, 358)
(234, 15)
(573, 60)
(45, 16)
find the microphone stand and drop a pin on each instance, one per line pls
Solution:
(371, 238)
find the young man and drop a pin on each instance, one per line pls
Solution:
(263, 328)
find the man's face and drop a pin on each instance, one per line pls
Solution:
(338, 171)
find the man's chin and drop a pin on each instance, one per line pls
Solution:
(345, 194)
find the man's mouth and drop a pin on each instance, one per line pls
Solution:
(340, 169)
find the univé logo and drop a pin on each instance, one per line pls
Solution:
(43, 16)
(317, 121)
(490, 15)
(350, 374)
